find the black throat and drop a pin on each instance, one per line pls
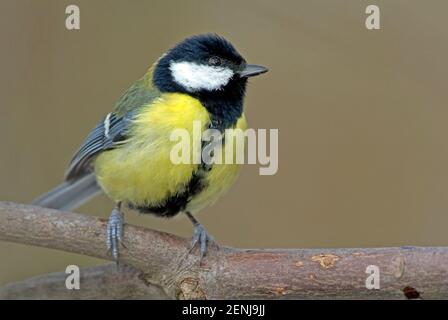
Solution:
(224, 106)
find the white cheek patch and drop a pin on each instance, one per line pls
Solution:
(195, 77)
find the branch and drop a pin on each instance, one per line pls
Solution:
(100, 282)
(159, 265)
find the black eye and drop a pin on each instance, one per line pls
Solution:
(214, 61)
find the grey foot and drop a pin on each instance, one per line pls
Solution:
(202, 238)
(114, 232)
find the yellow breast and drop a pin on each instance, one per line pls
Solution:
(141, 172)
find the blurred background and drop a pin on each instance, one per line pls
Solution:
(362, 115)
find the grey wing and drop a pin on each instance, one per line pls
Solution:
(80, 184)
(112, 129)
(105, 136)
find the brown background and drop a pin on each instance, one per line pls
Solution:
(361, 115)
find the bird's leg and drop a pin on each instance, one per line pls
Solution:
(115, 231)
(200, 235)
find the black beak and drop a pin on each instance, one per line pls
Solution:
(252, 70)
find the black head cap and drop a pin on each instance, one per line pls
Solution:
(200, 48)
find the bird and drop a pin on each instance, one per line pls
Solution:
(127, 154)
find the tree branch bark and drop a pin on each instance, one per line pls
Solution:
(159, 265)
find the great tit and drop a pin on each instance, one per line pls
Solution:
(127, 155)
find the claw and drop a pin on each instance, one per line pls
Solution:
(114, 232)
(201, 236)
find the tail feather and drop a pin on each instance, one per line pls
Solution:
(70, 195)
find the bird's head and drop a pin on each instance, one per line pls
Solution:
(203, 65)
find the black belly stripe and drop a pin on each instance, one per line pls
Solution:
(175, 203)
